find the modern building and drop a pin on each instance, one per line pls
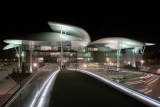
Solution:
(71, 44)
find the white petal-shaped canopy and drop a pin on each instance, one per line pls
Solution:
(112, 42)
(62, 32)
(45, 36)
(9, 46)
(70, 29)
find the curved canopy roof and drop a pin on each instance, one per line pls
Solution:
(112, 42)
(70, 30)
(9, 46)
(69, 33)
(45, 36)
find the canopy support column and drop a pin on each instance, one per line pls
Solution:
(19, 55)
(31, 51)
(134, 50)
(61, 51)
(119, 46)
(61, 54)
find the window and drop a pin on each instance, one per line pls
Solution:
(42, 53)
(40, 59)
(95, 49)
(92, 49)
(47, 53)
(45, 47)
(35, 53)
(55, 54)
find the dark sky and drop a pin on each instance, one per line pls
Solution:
(145, 28)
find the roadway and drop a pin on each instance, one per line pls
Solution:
(154, 69)
(74, 89)
(148, 86)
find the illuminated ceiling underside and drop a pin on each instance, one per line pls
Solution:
(112, 42)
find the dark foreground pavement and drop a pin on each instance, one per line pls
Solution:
(74, 89)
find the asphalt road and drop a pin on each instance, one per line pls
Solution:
(154, 69)
(74, 89)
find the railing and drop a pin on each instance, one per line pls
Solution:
(32, 88)
(6, 96)
(106, 73)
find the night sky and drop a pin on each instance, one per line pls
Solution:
(145, 28)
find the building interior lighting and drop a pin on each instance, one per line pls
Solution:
(79, 58)
(35, 64)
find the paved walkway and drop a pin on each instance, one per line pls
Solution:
(5, 84)
(74, 89)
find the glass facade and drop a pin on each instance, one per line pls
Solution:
(73, 51)
(51, 52)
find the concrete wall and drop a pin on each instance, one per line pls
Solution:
(129, 57)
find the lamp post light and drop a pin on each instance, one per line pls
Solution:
(35, 66)
(141, 63)
(85, 65)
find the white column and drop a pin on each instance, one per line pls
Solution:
(134, 50)
(61, 50)
(61, 54)
(19, 55)
(118, 54)
(31, 51)
(22, 56)
(65, 34)
(61, 32)
(119, 46)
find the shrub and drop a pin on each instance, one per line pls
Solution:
(129, 66)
